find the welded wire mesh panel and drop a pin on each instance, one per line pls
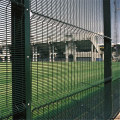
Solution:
(12, 60)
(66, 36)
(116, 56)
(69, 58)
(116, 42)
(5, 59)
(18, 59)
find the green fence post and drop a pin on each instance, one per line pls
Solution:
(20, 54)
(107, 60)
(27, 60)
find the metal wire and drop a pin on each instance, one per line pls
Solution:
(67, 60)
(66, 65)
(5, 65)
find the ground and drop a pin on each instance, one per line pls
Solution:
(118, 117)
(54, 81)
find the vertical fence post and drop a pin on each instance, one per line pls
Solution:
(27, 60)
(107, 60)
(20, 53)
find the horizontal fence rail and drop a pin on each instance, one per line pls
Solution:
(57, 60)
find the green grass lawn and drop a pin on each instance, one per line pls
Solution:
(53, 81)
(56, 80)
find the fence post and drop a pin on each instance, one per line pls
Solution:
(107, 60)
(20, 53)
(27, 60)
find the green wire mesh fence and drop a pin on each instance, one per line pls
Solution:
(5, 64)
(55, 61)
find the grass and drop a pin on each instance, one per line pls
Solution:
(61, 79)
(53, 81)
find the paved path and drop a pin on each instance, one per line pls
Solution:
(118, 117)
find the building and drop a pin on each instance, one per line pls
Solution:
(68, 48)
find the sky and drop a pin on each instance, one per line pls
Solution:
(115, 28)
(5, 21)
(87, 14)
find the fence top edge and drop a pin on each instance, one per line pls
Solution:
(70, 25)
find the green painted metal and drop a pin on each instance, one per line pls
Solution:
(56, 70)
(107, 60)
(21, 80)
(18, 62)
(27, 60)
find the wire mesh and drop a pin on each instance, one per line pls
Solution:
(12, 61)
(116, 58)
(67, 60)
(5, 62)
(67, 63)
